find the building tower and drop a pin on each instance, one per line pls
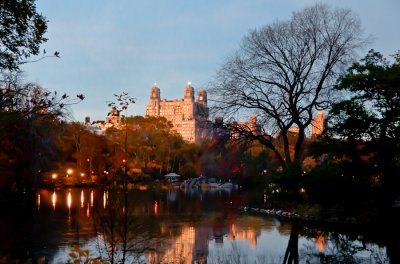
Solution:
(318, 123)
(202, 109)
(87, 120)
(153, 108)
(188, 100)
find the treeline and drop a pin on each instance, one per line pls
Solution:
(35, 150)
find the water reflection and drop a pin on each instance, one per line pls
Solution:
(170, 227)
(69, 200)
(91, 198)
(155, 208)
(38, 201)
(104, 199)
(54, 200)
(82, 199)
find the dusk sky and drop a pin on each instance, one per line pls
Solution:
(109, 47)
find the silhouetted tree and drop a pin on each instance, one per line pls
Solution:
(284, 72)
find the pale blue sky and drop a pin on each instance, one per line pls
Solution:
(108, 47)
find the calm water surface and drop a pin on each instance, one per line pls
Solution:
(170, 226)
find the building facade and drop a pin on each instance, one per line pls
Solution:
(188, 116)
(318, 124)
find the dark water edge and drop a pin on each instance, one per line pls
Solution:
(33, 231)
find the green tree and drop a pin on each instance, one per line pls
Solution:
(370, 117)
(22, 31)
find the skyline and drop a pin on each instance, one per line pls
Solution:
(108, 49)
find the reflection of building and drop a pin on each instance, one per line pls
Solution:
(249, 234)
(203, 235)
(188, 117)
(318, 123)
(180, 251)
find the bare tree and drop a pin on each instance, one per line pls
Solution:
(284, 72)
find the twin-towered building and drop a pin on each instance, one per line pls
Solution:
(188, 116)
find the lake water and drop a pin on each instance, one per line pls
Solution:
(173, 226)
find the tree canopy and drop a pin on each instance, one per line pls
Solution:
(22, 32)
(364, 129)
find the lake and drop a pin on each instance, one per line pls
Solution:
(175, 226)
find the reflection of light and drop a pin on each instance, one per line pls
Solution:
(302, 190)
(87, 210)
(265, 198)
(104, 200)
(53, 200)
(82, 174)
(82, 199)
(91, 198)
(155, 208)
(320, 241)
(38, 201)
(69, 200)
(54, 176)
(233, 231)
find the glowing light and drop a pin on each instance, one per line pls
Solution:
(302, 190)
(38, 201)
(69, 200)
(54, 199)
(82, 174)
(69, 171)
(88, 211)
(82, 199)
(54, 176)
(104, 200)
(91, 198)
